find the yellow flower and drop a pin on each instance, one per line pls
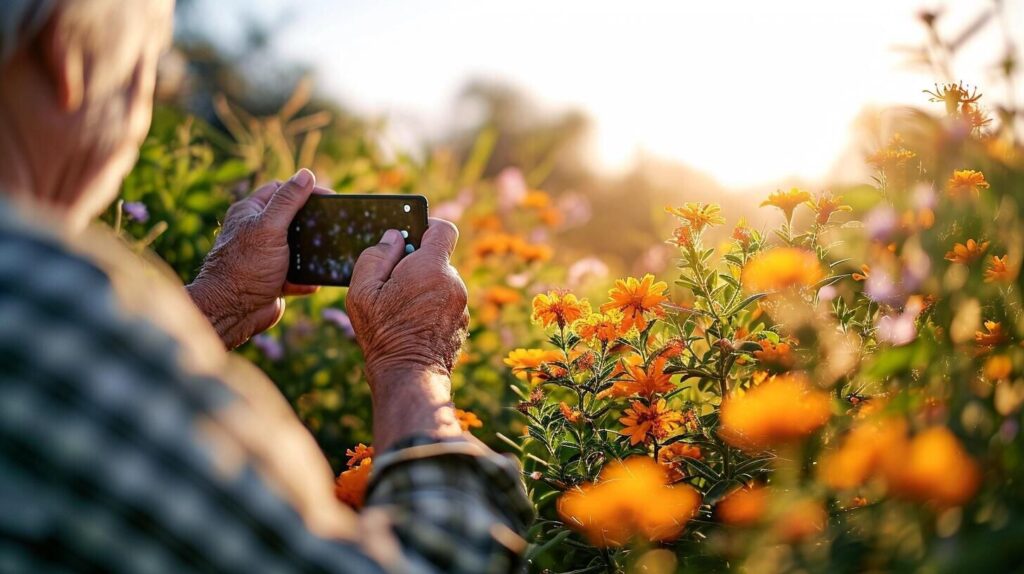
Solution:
(559, 308)
(993, 336)
(526, 363)
(781, 268)
(998, 271)
(787, 200)
(496, 243)
(630, 499)
(743, 506)
(644, 423)
(894, 155)
(698, 215)
(967, 181)
(468, 420)
(782, 410)
(861, 452)
(825, 205)
(636, 299)
(350, 486)
(360, 453)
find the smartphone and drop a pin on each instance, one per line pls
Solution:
(330, 231)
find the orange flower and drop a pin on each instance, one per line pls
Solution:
(468, 420)
(743, 506)
(644, 422)
(998, 271)
(801, 520)
(780, 269)
(559, 307)
(742, 232)
(601, 327)
(998, 368)
(495, 299)
(861, 452)
(531, 252)
(494, 244)
(637, 299)
(360, 453)
(825, 205)
(787, 201)
(933, 468)
(894, 155)
(672, 349)
(865, 272)
(994, 335)
(698, 215)
(784, 409)
(535, 199)
(670, 457)
(776, 355)
(630, 499)
(572, 415)
(650, 381)
(967, 181)
(526, 363)
(683, 236)
(350, 486)
(967, 253)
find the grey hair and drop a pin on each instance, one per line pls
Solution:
(20, 21)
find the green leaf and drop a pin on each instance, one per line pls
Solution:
(744, 303)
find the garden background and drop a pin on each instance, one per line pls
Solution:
(539, 213)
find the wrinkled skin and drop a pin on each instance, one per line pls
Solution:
(409, 313)
(242, 283)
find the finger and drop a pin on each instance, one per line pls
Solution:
(267, 316)
(440, 238)
(375, 264)
(262, 195)
(322, 191)
(289, 199)
(294, 290)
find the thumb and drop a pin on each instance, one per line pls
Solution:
(375, 263)
(289, 199)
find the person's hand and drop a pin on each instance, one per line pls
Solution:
(242, 281)
(409, 316)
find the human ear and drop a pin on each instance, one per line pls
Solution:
(63, 61)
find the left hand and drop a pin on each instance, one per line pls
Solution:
(241, 285)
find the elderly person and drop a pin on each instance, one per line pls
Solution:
(130, 439)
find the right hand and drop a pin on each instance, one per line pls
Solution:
(409, 316)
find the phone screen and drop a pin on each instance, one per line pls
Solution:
(330, 231)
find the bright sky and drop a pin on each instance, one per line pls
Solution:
(748, 91)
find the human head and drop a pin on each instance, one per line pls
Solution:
(77, 81)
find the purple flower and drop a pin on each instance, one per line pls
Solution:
(339, 319)
(897, 329)
(136, 211)
(880, 288)
(269, 346)
(586, 269)
(881, 223)
(827, 293)
(511, 187)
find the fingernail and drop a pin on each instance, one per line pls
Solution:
(391, 236)
(303, 177)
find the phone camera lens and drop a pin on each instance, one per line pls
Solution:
(407, 208)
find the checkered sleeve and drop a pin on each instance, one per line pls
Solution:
(105, 467)
(453, 504)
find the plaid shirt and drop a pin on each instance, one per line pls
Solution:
(108, 462)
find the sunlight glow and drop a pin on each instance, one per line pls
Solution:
(748, 92)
